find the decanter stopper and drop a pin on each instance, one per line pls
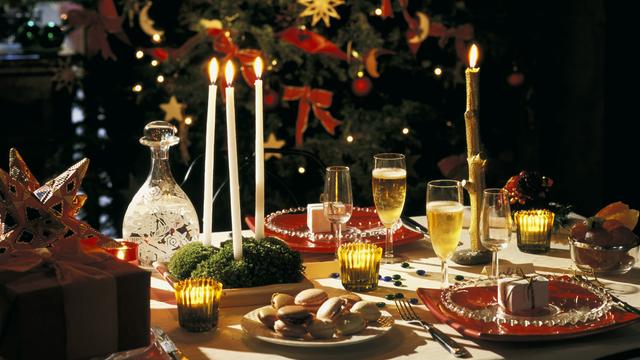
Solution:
(160, 217)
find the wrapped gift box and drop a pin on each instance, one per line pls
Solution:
(35, 325)
(527, 293)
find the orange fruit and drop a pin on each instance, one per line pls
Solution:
(621, 212)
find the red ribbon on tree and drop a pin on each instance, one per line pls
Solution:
(387, 9)
(311, 42)
(461, 34)
(316, 99)
(163, 54)
(222, 43)
(98, 25)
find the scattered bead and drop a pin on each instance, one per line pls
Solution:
(421, 272)
(335, 275)
(389, 296)
(405, 265)
(381, 304)
(414, 301)
(396, 277)
(387, 278)
(397, 283)
(399, 296)
(459, 277)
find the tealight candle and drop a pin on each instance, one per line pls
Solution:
(198, 301)
(125, 251)
(359, 266)
(534, 229)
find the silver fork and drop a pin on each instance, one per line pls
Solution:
(408, 314)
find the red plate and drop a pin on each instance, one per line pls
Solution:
(478, 329)
(360, 219)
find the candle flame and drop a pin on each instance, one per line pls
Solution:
(257, 67)
(213, 70)
(229, 72)
(473, 56)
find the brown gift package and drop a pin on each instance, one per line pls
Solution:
(32, 315)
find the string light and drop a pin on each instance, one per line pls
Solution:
(302, 27)
(449, 123)
(156, 38)
(188, 120)
(349, 139)
(154, 63)
(160, 79)
(360, 73)
(437, 71)
(274, 62)
(378, 11)
(137, 88)
(354, 53)
(301, 170)
(139, 54)
(405, 131)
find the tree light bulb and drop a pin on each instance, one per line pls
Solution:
(139, 54)
(378, 11)
(188, 120)
(154, 63)
(156, 38)
(360, 73)
(160, 79)
(349, 139)
(301, 170)
(405, 131)
(137, 88)
(437, 71)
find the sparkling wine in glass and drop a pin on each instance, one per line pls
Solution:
(389, 183)
(337, 199)
(495, 224)
(444, 216)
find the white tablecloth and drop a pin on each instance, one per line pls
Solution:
(403, 341)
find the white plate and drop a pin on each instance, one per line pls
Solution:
(254, 328)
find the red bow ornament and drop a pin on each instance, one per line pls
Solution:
(316, 99)
(461, 34)
(311, 42)
(222, 43)
(98, 25)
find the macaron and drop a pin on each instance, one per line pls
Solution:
(350, 323)
(368, 309)
(294, 315)
(321, 329)
(267, 315)
(279, 300)
(351, 299)
(311, 299)
(331, 308)
(289, 330)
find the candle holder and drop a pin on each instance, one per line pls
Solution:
(359, 266)
(198, 301)
(125, 251)
(533, 230)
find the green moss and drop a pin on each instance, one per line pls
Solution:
(264, 262)
(187, 258)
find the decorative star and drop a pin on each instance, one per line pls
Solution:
(320, 9)
(58, 203)
(273, 143)
(173, 110)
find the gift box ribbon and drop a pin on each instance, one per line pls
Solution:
(90, 303)
(530, 280)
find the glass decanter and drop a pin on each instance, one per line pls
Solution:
(160, 217)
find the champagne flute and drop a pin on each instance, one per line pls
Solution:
(389, 183)
(495, 224)
(337, 199)
(444, 216)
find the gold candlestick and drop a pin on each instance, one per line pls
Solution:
(477, 254)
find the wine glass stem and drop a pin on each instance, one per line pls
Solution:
(388, 245)
(494, 265)
(444, 270)
(339, 233)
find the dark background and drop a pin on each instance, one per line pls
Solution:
(573, 120)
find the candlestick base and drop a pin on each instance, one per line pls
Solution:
(471, 257)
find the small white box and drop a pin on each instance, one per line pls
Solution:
(517, 295)
(316, 222)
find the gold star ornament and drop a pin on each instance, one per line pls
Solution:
(320, 10)
(173, 110)
(273, 143)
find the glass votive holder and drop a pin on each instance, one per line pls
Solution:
(359, 266)
(533, 229)
(125, 251)
(198, 301)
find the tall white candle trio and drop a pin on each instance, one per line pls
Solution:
(234, 184)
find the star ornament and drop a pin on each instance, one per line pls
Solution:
(173, 110)
(320, 10)
(273, 143)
